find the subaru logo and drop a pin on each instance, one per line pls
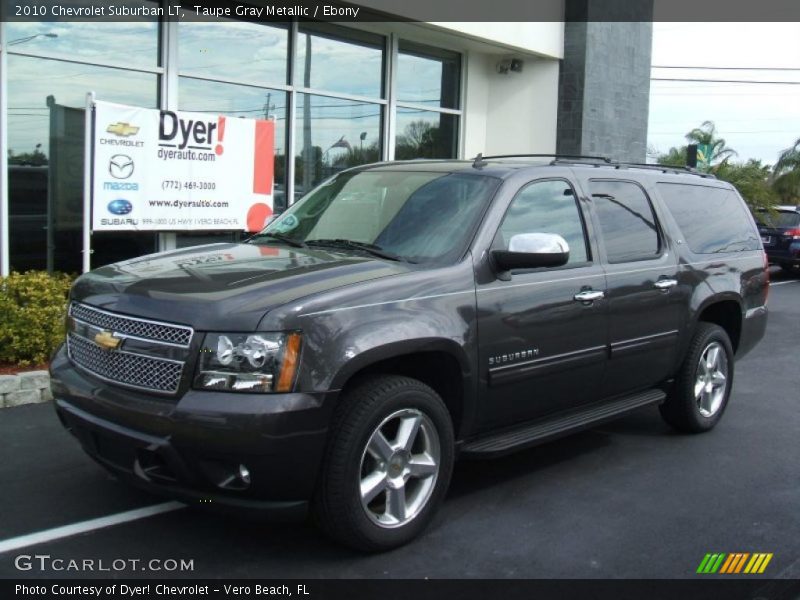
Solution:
(120, 206)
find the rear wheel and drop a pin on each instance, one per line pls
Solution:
(703, 386)
(388, 464)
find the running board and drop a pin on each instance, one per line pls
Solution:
(537, 432)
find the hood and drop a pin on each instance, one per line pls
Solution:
(223, 287)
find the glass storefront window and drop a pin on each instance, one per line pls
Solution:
(229, 49)
(331, 135)
(425, 134)
(46, 101)
(129, 43)
(339, 60)
(428, 76)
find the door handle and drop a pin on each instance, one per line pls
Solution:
(665, 284)
(589, 296)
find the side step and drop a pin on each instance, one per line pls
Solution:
(537, 432)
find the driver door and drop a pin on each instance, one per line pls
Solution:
(541, 350)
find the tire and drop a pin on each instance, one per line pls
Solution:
(397, 505)
(703, 386)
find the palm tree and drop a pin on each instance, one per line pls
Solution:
(707, 134)
(787, 174)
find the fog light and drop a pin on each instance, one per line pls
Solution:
(244, 474)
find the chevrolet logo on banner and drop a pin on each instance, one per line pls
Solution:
(107, 341)
(735, 563)
(122, 129)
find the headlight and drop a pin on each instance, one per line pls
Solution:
(257, 362)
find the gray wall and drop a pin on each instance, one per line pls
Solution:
(604, 84)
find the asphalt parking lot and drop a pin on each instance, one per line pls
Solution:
(628, 500)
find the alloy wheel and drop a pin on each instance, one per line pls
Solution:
(711, 383)
(399, 468)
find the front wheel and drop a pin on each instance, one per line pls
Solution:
(388, 464)
(703, 386)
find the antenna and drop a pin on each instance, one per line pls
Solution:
(479, 162)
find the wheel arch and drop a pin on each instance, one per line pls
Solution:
(726, 312)
(441, 364)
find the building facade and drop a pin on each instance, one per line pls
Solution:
(341, 95)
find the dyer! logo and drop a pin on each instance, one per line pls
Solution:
(735, 563)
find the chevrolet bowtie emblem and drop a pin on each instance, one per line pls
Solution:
(107, 341)
(122, 129)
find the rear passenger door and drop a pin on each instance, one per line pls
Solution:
(642, 286)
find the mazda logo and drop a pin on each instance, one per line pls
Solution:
(120, 166)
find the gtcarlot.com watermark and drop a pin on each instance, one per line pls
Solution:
(46, 562)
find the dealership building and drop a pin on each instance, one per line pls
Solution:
(340, 94)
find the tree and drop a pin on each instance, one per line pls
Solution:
(676, 157)
(786, 182)
(752, 179)
(37, 158)
(419, 139)
(705, 134)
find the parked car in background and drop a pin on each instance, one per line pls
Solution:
(780, 234)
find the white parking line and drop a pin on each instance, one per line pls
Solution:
(774, 283)
(48, 535)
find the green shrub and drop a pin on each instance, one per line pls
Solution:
(32, 310)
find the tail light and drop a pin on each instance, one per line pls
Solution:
(792, 234)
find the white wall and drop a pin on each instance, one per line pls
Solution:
(511, 113)
(543, 38)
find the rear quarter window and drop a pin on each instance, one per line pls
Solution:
(711, 219)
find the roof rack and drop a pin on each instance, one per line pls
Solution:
(596, 161)
(570, 157)
(665, 169)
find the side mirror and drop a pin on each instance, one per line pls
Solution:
(532, 250)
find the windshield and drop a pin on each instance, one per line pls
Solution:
(412, 216)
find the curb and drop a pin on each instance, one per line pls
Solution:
(29, 387)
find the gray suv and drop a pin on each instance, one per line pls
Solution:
(402, 315)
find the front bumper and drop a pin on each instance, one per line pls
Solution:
(197, 448)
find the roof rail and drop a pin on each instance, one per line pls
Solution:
(665, 169)
(571, 157)
(596, 161)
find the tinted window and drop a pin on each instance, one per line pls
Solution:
(546, 207)
(710, 219)
(779, 220)
(627, 223)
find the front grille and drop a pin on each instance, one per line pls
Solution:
(125, 368)
(148, 330)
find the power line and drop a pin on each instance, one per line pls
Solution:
(728, 68)
(725, 81)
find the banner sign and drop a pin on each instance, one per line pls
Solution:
(161, 170)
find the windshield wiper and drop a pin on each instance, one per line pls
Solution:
(280, 237)
(372, 249)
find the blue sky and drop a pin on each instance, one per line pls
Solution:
(757, 120)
